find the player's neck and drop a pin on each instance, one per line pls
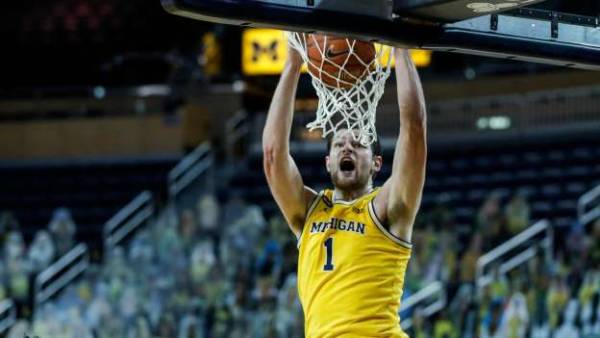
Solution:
(350, 195)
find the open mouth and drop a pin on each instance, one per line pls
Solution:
(347, 165)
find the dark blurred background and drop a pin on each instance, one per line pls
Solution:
(93, 42)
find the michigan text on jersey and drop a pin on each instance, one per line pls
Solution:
(339, 224)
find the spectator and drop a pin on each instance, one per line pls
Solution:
(517, 214)
(41, 251)
(202, 260)
(444, 328)
(62, 229)
(3, 291)
(515, 319)
(594, 246)
(141, 329)
(188, 228)
(278, 230)
(587, 291)
(166, 326)
(558, 296)
(489, 212)
(568, 328)
(243, 235)
(462, 309)
(14, 248)
(233, 209)
(431, 255)
(490, 323)
(8, 223)
(499, 286)
(449, 254)
(18, 269)
(289, 321)
(537, 294)
(189, 327)
(208, 212)
(469, 260)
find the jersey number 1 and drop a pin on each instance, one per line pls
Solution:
(328, 264)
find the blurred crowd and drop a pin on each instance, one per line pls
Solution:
(20, 262)
(186, 276)
(547, 297)
(221, 269)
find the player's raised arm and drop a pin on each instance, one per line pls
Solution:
(400, 197)
(280, 169)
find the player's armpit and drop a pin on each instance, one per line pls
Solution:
(287, 188)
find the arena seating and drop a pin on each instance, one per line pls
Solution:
(251, 293)
(552, 175)
(92, 190)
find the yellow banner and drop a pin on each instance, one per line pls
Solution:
(264, 52)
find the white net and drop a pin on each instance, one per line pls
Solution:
(348, 89)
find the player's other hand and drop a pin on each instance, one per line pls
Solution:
(400, 52)
(294, 57)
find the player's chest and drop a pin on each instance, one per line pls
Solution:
(348, 227)
(350, 220)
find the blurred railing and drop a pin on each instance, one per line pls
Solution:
(188, 171)
(527, 111)
(429, 300)
(8, 315)
(58, 275)
(536, 236)
(236, 129)
(517, 112)
(127, 220)
(588, 206)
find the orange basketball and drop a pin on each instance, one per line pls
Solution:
(336, 61)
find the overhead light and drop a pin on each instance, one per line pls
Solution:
(494, 123)
(99, 92)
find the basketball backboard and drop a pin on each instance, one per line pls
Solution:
(498, 28)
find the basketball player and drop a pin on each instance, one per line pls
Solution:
(354, 240)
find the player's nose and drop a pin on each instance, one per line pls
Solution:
(347, 149)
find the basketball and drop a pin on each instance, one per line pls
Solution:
(338, 62)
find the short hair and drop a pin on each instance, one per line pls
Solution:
(375, 146)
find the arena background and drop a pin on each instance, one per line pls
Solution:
(133, 202)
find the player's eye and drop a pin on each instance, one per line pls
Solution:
(357, 145)
(338, 144)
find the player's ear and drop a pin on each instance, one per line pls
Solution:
(377, 163)
(327, 164)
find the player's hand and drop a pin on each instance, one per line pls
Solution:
(294, 57)
(400, 52)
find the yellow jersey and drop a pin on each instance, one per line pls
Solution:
(350, 270)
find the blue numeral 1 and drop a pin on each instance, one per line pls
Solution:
(329, 245)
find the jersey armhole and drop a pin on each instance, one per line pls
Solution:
(313, 204)
(385, 230)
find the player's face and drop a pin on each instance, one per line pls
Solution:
(349, 163)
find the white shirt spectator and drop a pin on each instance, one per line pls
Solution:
(42, 251)
(63, 230)
(208, 211)
(515, 318)
(14, 248)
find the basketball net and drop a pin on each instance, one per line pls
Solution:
(351, 108)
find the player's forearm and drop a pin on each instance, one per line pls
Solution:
(410, 92)
(276, 134)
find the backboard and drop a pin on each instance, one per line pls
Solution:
(507, 29)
